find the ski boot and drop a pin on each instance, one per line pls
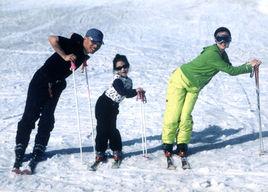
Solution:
(168, 149)
(181, 151)
(117, 156)
(100, 157)
(38, 152)
(19, 154)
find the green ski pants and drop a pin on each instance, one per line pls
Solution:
(180, 100)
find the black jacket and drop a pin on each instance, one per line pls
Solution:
(55, 67)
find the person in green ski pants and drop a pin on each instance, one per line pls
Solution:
(185, 84)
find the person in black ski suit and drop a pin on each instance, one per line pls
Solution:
(46, 87)
(106, 109)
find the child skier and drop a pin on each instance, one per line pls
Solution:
(106, 110)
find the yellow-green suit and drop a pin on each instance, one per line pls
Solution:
(184, 86)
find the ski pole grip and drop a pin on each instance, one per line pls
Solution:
(73, 66)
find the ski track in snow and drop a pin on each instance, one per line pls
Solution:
(157, 37)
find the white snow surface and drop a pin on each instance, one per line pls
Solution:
(156, 36)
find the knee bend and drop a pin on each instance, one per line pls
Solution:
(24, 123)
(171, 125)
(47, 125)
(187, 119)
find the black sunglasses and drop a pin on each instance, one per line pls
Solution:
(224, 39)
(121, 67)
(98, 43)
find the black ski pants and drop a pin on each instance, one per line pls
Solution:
(42, 98)
(106, 112)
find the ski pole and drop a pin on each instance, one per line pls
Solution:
(77, 114)
(256, 72)
(142, 117)
(90, 110)
(143, 131)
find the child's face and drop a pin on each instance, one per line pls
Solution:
(121, 68)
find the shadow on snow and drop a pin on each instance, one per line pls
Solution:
(210, 138)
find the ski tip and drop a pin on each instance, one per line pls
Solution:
(92, 169)
(171, 167)
(186, 167)
(115, 167)
(26, 172)
(116, 164)
(16, 171)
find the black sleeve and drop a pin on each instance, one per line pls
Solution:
(66, 44)
(119, 87)
(77, 38)
(71, 45)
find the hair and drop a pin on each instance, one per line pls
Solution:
(119, 57)
(221, 29)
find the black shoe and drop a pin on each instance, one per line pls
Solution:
(117, 155)
(19, 154)
(32, 165)
(168, 149)
(182, 150)
(38, 152)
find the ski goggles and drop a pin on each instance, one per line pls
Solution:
(223, 39)
(121, 67)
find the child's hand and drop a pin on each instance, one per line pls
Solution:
(141, 95)
(139, 89)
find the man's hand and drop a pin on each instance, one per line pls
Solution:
(70, 57)
(255, 62)
(73, 66)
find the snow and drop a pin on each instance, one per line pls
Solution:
(157, 37)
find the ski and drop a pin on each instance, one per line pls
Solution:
(170, 163)
(94, 166)
(116, 164)
(30, 168)
(184, 163)
(16, 171)
(26, 171)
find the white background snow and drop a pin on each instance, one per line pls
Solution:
(157, 36)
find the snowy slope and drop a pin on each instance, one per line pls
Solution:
(156, 36)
